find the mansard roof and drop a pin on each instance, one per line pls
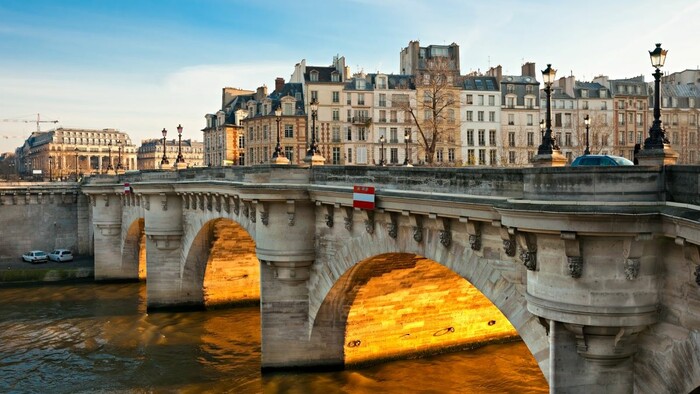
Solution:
(394, 81)
(519, 79)
(324, 74)
(593, 89)
(481, 83)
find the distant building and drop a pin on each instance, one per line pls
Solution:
(65, 152)
(481, 138)
(150, 153)
(680, 111)
(392, 93)
(224, 142)
(630, 108)
(415, 58)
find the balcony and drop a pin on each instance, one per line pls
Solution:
(382, 120)
(361, 120)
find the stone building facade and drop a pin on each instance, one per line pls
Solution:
(150, 153)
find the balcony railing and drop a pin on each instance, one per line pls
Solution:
(361, 120)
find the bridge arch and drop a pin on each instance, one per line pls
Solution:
(220, 266)
(496, 278)
(134, 250)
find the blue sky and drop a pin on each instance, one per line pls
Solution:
(141, 66)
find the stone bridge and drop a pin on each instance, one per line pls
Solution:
(597, 269)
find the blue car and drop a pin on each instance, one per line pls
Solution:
(600, 160)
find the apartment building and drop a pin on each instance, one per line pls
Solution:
(224, 140)
(481, 138)
(390, 120)
(680, 111)
(520, 115)
(150, 154)
(630, 108)
(325, 85)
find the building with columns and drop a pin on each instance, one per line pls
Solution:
(150, 153)
(65, 152)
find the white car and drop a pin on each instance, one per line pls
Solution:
(35, 256)
(61, 255)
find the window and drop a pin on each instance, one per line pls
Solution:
(382, 100)
(314, 95)
(392, 117)
(585, 105)
(451, 155)
(361, 155)
(640, 121)
(361, 136)
(264, 132)
(470, 137)
(492, 137)
(438, 155)
(480, 116)
(567, 139)
(393, 135)
(336, 114)
(360, 99)
(530, 138)
(381, 83)
(620, 119)
(394, 155)
(482, 137)
(288, 109)
(511, 119)
(313, 76)
(492, 116)
(336, 155)
(336, 97)
(530, 103)
(349, 133)
(480, 99)
(511, 157)
(492, 100)
(482, 157)
(510, 88)
(470, 99)
(470, 116)
(567, 120)
(349, 115)
(349, 158)
(511, 138)
(510, 102)
(470, 157)
(336, 134)
(492, 157)
(335, 77)
(529, 119)
(557, 120)
(289, 152)
(349, 99)
(288, 131)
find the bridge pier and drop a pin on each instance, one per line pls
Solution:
(107, 220)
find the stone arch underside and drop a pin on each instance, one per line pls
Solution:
(134, 250)
(497, 278)
(221, 267)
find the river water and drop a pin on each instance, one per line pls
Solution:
(87, 338)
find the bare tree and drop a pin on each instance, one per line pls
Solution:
(436, 107)
(600, 136)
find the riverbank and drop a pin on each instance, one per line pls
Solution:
(19, 272)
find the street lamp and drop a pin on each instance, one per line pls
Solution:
(109, 155)
(119, 157)
(77, 163)
(50, 169)
(164, 160)
(278, 119)
(381, 151)
(179, 159)
(657, 137)
(587, 122)
(314, 110)
(547, 146)
(406, 162)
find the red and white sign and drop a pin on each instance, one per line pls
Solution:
(127, 188)
(363, 197)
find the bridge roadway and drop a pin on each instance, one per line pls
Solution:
(598, 269)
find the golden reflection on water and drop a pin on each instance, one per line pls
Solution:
(99, 338)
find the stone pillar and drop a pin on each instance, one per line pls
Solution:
(107, 219)
(285, 246)
(598, 294)
(163, 229)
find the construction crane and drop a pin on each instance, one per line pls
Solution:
(37, 121)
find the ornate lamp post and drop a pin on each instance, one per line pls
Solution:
(164, 160)
(381, 151)
(406, 161)
(119, 157)
(312, 155)
(77, 163)
(657, 137)
(179, 159)
(50, 169)
(109, 155)
(278, 157)
(587, 122)
(547, 146)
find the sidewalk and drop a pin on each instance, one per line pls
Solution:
(18, 271)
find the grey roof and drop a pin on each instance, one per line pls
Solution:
(481, 83)
(394, 81)
(593, 88)
(324, 74)
(682, 94)
(520, 79)
(636, 82)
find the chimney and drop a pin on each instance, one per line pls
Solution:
(496, 72)
(261, 93)
(279, 84)
(528, 70)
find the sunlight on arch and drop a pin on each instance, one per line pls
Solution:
(134, 251)
(232, 272)
(402, 305)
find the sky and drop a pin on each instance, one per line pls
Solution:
(141, 66)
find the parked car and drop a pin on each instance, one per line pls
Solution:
(61, 255)
(601, 160)
(35, 256)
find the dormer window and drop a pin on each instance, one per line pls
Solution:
(360, 84)
(313, 76)
(381, 83)
(335, 77)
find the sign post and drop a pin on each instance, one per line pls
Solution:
(363, 197)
